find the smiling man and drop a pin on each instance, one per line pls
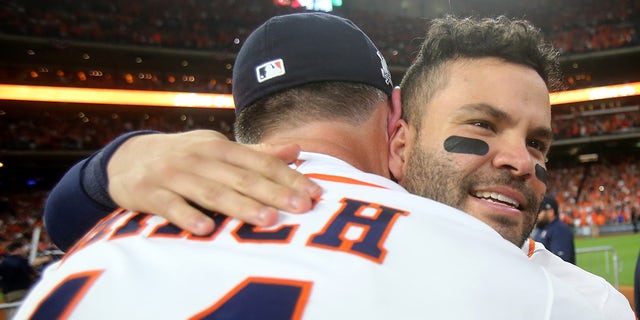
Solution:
(477, 130)
(482, 151)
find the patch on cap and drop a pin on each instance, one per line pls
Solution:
(270, 70)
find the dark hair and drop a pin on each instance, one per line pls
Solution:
(325, 101)
(451, 38)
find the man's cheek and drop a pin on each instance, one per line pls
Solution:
(464, 145)
(457, 144)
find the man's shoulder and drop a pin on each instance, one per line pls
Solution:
(328, 168)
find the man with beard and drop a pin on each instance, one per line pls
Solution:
(474, 135)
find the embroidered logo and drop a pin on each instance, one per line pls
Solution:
(270, 70)
(385, 70)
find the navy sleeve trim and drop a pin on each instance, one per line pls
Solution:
(95, 181)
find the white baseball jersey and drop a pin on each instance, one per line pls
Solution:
(369, 250)
(597, 290)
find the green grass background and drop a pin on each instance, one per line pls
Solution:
(626, 246)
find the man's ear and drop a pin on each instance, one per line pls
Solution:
(396, 111)
(400, 146)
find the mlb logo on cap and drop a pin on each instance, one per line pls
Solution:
(270, 70)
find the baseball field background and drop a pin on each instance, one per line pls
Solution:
(626, 246)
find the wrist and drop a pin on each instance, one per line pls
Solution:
(95, 179)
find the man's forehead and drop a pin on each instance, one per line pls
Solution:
(490, 81)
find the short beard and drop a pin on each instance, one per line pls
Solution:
(436, 177)
(541, 224)
(433, 179)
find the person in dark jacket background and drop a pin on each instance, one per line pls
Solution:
(556, 236)
(17, 273)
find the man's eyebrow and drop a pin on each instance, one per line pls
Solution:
(495, 113)
(486, 109)
(543, 132)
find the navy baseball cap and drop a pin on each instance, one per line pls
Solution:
(550, 203)
(295, 49)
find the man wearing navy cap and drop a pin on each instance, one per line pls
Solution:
(553, 233)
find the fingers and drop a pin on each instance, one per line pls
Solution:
(249, 187)
(276, 168)
(255, 173)
(171, 203)
(166, 173)
(218, 197)
(269, 161)
(182, 214)
(149, 196)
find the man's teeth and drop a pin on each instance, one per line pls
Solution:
(498, 197)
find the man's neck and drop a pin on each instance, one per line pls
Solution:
(363, 148)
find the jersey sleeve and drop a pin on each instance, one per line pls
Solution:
(600, 293)
(80, 199)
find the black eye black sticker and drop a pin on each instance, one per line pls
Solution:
(541, 173)
(458, 144)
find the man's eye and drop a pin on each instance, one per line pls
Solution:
(483, 124)
(538, 145)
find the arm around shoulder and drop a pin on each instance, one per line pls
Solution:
(80, 199)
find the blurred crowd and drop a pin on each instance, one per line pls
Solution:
(598, 194)
(590, 125)
(20, 214)
(75, 128)
(575, 26)
(218, 29)
(91, 128)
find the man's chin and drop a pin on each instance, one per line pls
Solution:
(507, 229)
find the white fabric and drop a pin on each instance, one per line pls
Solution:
(434, 262)
(600, 293)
